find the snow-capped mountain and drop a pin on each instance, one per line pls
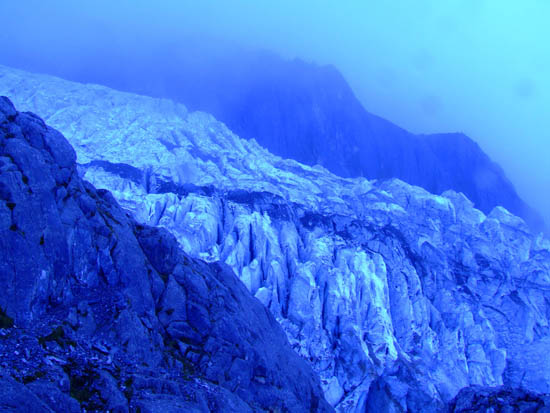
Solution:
(398, 298)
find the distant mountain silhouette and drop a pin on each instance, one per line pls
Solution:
(308, 113)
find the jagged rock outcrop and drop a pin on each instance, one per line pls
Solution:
(398, 298)
(498, 399)
(309, 113)
(100, 313)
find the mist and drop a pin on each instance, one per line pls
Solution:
(475, 66)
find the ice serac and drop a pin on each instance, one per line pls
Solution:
(98, 312)
(397, 297)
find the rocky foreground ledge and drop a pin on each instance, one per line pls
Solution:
(100, 313)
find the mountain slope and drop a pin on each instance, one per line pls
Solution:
(309, 113)
(100, 313)
(397, 297)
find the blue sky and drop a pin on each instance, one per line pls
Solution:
(477, 66)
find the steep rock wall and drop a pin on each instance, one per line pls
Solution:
(397, 297)
(101, 313)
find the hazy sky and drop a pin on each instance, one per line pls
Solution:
(477, 66)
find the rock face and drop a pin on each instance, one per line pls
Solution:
(499, 399)
(101, 313)
(309, 113)
(398, 298)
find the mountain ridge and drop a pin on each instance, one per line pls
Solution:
(309, 113)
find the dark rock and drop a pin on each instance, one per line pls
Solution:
(16, 397)
(108, 389)
(498, 399)
(54, 397)
(113, 315)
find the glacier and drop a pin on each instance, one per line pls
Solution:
(397, 298)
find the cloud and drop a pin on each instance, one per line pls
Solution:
(431, 105)
(525, 88)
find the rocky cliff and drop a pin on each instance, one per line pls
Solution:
(103, 314)
(398, 298)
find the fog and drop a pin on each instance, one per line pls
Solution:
(477, 66)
